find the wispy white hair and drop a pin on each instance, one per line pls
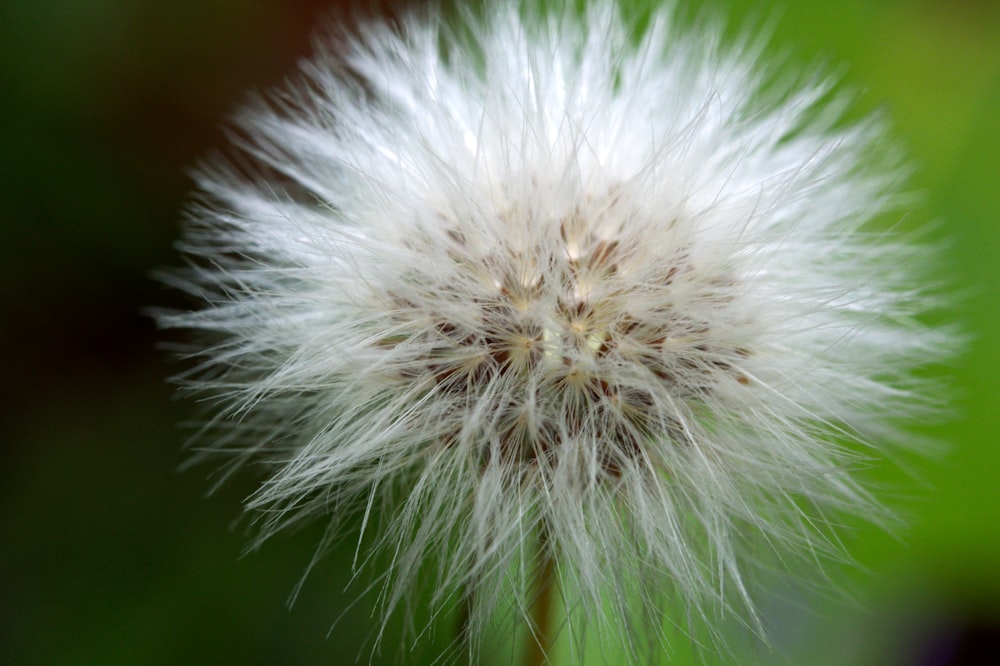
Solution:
(555, 279)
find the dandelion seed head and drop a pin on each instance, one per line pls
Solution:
(556, 275)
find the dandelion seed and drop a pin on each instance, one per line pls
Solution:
(556, 293)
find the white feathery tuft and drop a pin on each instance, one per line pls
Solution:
(558, 280)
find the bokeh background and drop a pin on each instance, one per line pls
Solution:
(111, 555)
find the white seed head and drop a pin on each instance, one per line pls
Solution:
(562, 279)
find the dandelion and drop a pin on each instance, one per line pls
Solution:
(560, 303)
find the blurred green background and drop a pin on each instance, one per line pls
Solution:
(110, 555)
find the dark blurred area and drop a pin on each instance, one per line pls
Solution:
(106, 105)
(110, 555)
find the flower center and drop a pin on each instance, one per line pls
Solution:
(563, 348)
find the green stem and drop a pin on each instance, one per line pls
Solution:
(462, 629)
(540, 641)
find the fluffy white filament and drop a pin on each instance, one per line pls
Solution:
(557, 279)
